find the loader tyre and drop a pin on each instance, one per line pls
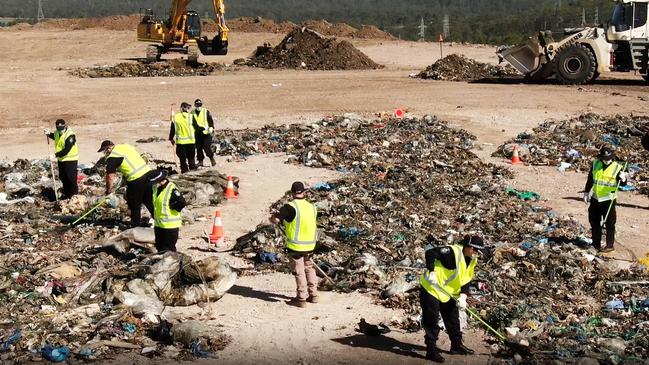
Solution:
(575, 65)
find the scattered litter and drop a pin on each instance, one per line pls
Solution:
(456, 67)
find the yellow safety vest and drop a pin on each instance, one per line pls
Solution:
(302, 231)
(59, 141)
(201, 120)
(605, 180)
(133, 165)
(184, 128)
(449, 282)
(163, 215)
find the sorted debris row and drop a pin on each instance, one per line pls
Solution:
(573, 144)
(175, 67)
(91, 291)
(307, 49)
(415, 181)
(456, 67)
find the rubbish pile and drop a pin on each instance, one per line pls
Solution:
(411, 182)
(91, 291)
(456, 67)
(307, 49)
(174, 67)
(573, 144)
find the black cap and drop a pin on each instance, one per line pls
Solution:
(606, 153)
(158, 176)
(297, 187)
(473, 241)
(60, 122)
(104, 145)
(184, 105)
(198, 102)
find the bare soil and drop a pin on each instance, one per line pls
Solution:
(37, 90)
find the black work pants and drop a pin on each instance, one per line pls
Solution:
(203, 147)
(165, 239)
(139, 192)
(68, 176)
(596, 213)
(431, 309)
(187, 155)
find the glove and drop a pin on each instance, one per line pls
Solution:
(585, 197)
(461, 302)
(47, 131)
(52, 157)
(623, 176)
(211, 130)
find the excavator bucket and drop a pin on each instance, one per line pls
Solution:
(213, 47)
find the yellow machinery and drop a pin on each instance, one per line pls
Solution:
(182, 32)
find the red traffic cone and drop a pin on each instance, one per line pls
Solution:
(515, 157)
(217, 235)
(229, 190)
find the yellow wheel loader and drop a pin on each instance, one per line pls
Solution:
(181, 32)
(583, 54)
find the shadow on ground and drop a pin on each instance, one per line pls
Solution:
(382, 343)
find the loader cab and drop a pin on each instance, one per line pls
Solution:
(629, 21)
(193, 25)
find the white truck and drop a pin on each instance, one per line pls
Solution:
(585, 53)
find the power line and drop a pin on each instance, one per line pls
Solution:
(40, 16)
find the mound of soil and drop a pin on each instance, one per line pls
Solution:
(372, 32)
(255, 25)
(456, 67)
(120, 22)
(305, 48)
(174, 67)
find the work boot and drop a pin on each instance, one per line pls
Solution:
(607, 249)
(312, 299)
(213, 161)
(460, 349)
(295, 302)
(434, 355)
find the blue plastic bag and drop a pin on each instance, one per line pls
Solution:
(56, 354)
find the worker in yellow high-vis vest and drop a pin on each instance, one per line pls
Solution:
(67, 157)
(128, 161)
(603, 179)
(299, 218)
(204, 127)
(183, 136)
(444, 288)
(168, 203)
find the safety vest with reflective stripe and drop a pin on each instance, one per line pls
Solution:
(163, 215)
(449, 282)
(302, 231)
(184, 128)
(201, 120)
(59, 142)
(605, 180)
(133, 165)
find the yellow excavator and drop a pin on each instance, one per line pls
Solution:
(181, 32)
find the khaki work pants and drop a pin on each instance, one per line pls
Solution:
(306, 279)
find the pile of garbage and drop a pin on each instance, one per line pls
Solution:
(304, 48)
(89, 290)
(573, 144)
(456, 67)
(174, 67)
(412, 182)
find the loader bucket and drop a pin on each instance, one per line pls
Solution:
(213, 47)
(525, 57)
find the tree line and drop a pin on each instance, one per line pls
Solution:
(478, 21)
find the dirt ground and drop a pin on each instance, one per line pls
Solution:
(36, 90)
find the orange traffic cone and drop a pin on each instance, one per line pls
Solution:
(515, 157)
(217, 235)
(399, 113)
(229, 190)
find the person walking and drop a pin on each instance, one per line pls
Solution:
(128, 161)
(604, 179)
(168, 203)
(182, 135)
(299, 217)
(204, 127)
(66, 152)
(444, 288)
